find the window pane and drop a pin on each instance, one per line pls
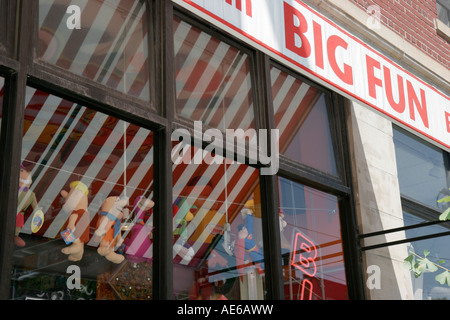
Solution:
(217, 232)
(443, 11)
(110, 46)
(301, 116)
(91, 173)
(421, 169)
(426, 287)
(311, 244)
(213, 82)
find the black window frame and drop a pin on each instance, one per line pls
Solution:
(21, 68)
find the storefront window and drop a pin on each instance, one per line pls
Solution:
(421, 169)
(83, 227)
(213, 82)
(301, 116)
(217, 234)
(311, 244)
(426, 287)
(105, 41)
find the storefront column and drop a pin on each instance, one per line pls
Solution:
(378, 203)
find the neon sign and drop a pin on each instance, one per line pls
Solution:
(303, 258)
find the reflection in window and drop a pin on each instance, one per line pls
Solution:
(426, 287)
(110, 46)
(421, 169)
(311, 244)
(213, 82)
(85, 200)
(301, 116)
(217, 234)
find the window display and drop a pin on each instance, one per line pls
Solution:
(217, 233)
(311, 243)
(105, 41)
(85, 204)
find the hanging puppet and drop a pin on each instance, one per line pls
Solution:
(140, 237)
(77, 226)
(109, 226)
(26, 198)
(246, 249)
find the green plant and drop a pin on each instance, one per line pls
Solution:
(419, 264)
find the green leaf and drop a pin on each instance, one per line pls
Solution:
(426, 264)
(445, 215)
(443, 277)
(426, 253)
(445, 199)
(409, 262)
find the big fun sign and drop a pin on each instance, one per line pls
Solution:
(292, 32)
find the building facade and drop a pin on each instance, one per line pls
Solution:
(225, 150)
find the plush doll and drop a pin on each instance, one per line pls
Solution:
(76, 205)
(141, 234)
(108, 226)
(246, 250)
(26, 198)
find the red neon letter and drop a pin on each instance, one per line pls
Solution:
(400, 106)
(332, 43)
(292, 30)
(307, 252)
(318, 48)
(414, 100)
(447, 119)
(306, 283)
(372, 81)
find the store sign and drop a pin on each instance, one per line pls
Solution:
(292, 32)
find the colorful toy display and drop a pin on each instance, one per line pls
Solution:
(76, 205)
(109, 226)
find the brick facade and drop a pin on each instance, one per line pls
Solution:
(414, 21)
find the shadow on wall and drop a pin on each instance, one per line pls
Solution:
(378, 203)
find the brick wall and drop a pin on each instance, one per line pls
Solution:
(414, 21)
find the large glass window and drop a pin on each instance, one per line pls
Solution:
(213, 82)
(421, 169)
(217, 232)
(103, 40)
(83, 226)
(311, 243)
(424, 173)
(301, 116)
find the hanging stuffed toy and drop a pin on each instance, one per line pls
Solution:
(140, 237)
(26, 198)
(109, 226)
(77, 226)
(246, 250)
